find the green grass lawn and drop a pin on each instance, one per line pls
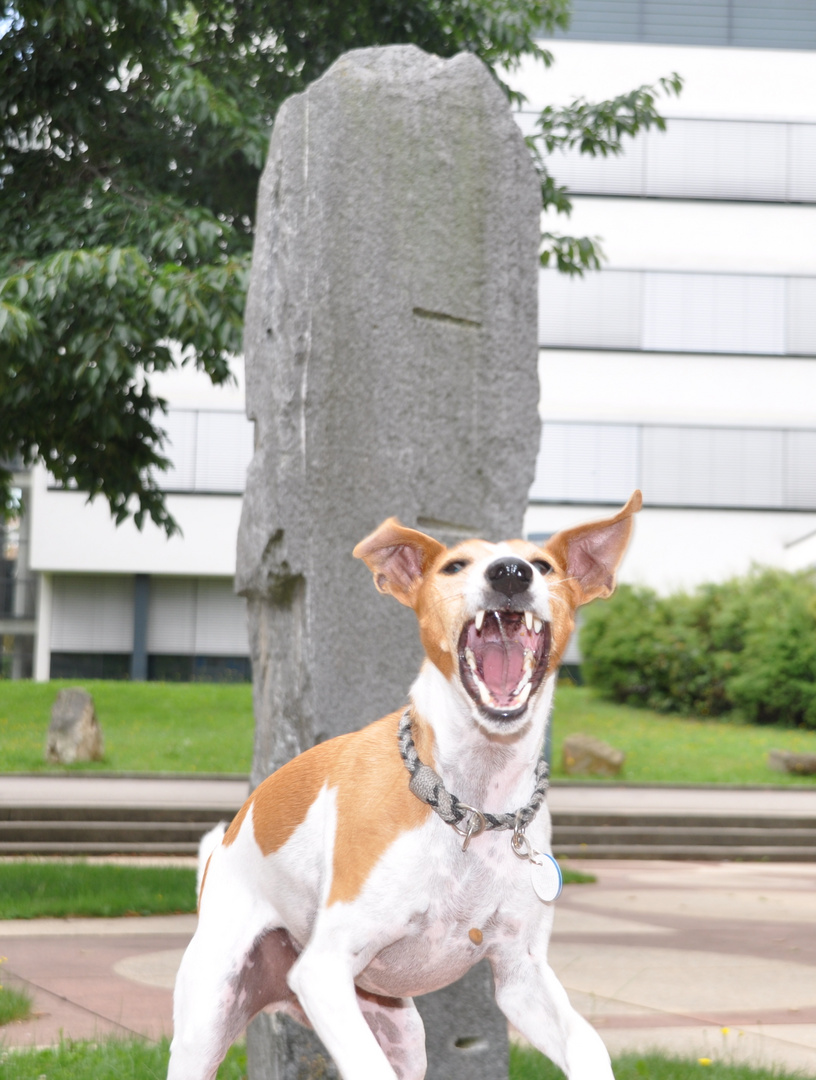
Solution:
(526, 1064)
(207, 728)
(14, 1004)
(148, 727)
(60, 888)
(138, 1060)
(111, 1059)
(673, 750)
(30, 890)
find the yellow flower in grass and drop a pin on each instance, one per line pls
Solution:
(704, 1061)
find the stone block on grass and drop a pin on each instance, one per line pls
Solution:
(785, 761)
(584, 755)
(74, 733)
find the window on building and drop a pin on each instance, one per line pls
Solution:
(664, 311)
(786, 24)
(677, 465)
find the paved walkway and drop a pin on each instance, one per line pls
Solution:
(704, 959)
(229, 794)
(661, 799)
(136, 792)
(712, 960)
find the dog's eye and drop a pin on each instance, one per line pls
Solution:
(455, 566)
(542, 565)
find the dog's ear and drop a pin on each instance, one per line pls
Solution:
(398, 558)
(592, 553)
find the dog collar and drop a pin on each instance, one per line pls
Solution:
(427, 785)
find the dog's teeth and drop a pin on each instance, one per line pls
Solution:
(484, 693)
(537, 623)
(527, 673)
(471, 659)
(479, 620)
(528, 619)
(525, 678)
(525, 693)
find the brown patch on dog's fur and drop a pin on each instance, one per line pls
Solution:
(374, 803)
(235, 826)
(374, 808)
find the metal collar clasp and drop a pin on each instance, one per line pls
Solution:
(476, 824)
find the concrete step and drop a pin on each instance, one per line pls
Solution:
(69, 848)
(650, 835)
(715, 852)
(616, 834)
(90, 813)
(105, 830)
(689, 836)
(77, 832)
(685, 819)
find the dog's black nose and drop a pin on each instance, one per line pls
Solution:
(510, 576)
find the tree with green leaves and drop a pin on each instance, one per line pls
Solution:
(133, 136)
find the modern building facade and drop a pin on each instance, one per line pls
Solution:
(687, 367)
(116, 602)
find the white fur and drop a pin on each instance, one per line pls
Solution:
(209, 842)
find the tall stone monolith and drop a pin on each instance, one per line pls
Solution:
(391, 369)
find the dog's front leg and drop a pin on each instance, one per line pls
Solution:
(323, 981)
(535, 1002)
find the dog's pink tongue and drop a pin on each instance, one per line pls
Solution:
(502, 668)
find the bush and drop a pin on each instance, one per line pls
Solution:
(747, 644)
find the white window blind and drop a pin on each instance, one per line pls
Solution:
(180, 425)
(196, 617)
(800, 470)
(676, 465)
(171, 616)
(726, 467)
(717, 159)
(719, 313)
(802, 149)
(666, 311)
(801, 315)
(697, 159)
(209, 450)
(92, 613)
(586, 462)
(596, 311)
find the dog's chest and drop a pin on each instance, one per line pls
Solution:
(472, 903)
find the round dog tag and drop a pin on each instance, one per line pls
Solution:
(545, 874)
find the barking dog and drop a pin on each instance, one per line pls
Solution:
(385, 863)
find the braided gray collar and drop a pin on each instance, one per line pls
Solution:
(427, 785)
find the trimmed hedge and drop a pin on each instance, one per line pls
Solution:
(748, 644)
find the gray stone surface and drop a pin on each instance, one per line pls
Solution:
(584, 755)
(391, 370)
(74, 733)
(465, 1034)
(786, 761)
(278, 1048)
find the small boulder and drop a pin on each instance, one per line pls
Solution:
(585, 756)
(787, 762)
(74, 733)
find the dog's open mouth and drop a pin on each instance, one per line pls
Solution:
(502, 659)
